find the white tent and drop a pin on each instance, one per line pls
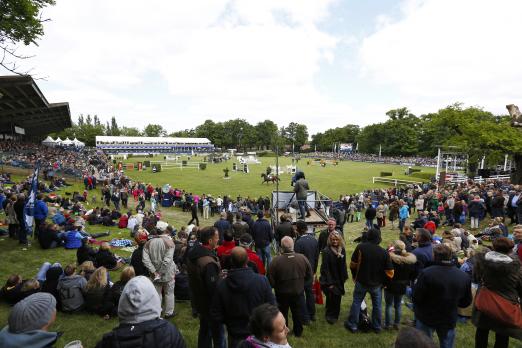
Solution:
(67, 142)
(78, 143)
(48, 141)
(58, 141)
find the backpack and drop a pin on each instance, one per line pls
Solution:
(148, 337)
(365, 324)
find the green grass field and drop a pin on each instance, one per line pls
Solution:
(348, 177)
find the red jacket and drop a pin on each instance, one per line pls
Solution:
(225, 248)
(252, 257)
(430, 226)
(124, 220)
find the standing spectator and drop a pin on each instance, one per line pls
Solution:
(222, 225)
(262, 234)
(394, 213)
(424, 250)
(71, 289)
(499, 273)
(287, 274)
(404, 214)
(371, 268)
(254, 261)
(40, 213)
(331, 226)
(403, 273)
(284, 228)
(381, 215)
(497, 205)
(203, 271)
(306, 244)
(194, 212)
(141, 238)
(334, 274)
(239, 227)
(237, 296)
(227, 246)
(206, 208)
(517, 239)
(438, 292)
(12, 219)
(29, 321)
(19, 212)
(158, 258)
(139, 312)
(477, 209)
(370, 215)
(301, 193)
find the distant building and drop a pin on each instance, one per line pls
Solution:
(153, 145)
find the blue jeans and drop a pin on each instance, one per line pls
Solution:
(264, 254)
(369, 223)
(41, 275)
(402, 222)
(359, 292)
(395, 302)
(446, 337)
(302, 208)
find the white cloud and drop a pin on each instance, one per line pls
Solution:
(443, 51)
(225, 58)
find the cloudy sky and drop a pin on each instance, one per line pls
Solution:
(325, 63)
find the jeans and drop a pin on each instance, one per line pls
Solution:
(211, 334)
(264, 254)
(332, 306)
(369, 223)
(481, 339)
(41, 275)
(308, 302)
(292, 302)
(394, 301)
(22, 234)
(359, 292)
(446, 336)
(302, 208)
(402, 222)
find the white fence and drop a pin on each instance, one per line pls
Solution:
(395, 182)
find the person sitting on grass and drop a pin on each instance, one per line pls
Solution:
(112, 296)
(71, 289)
(104, 257)
(95, 291)
(29, 322)
(49, 237)
(139, 313)
(11, 291)
(86, 269)
(85, 252)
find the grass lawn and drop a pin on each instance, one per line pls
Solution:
(345, 178)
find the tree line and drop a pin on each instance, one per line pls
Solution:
(472, 130)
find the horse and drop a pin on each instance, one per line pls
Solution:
(269, 178)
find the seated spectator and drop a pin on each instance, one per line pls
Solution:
(73, 238)
(86, 269)
(85, 252)
(104, 257)
(71, 288)
(409, 337)
(49, 237)
(12, 290)
(268, 327)
(139, 313)
(29, 287)
(50, 280)
(29, 322)
(112, 296)
(137, 255)
(95, 291)
(59, 218)
(430, 226)
(124, 220)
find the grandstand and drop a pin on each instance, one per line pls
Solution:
(153, 145)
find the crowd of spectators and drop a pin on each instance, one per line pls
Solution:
(373, 158)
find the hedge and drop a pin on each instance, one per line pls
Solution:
(421, 175)
(386, 173)
(202, 166)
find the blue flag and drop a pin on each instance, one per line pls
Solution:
(29, 204)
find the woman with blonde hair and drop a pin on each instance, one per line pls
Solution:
(95, 291)
(86, 269)
(334, 274)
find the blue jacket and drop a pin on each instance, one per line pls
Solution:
(424, 254)
(29, 339)
(40, 210)
(404, 212)
(2, 199)
(59, 219)
(73, 240)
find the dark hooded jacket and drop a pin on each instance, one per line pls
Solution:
(370, 264)
(203, 270)
(503, 275)
(403, 272)
(236, 297)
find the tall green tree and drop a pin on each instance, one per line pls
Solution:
(114, 129)
(266, 134)
(20, 23)
(154, 130)
(129, 131)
